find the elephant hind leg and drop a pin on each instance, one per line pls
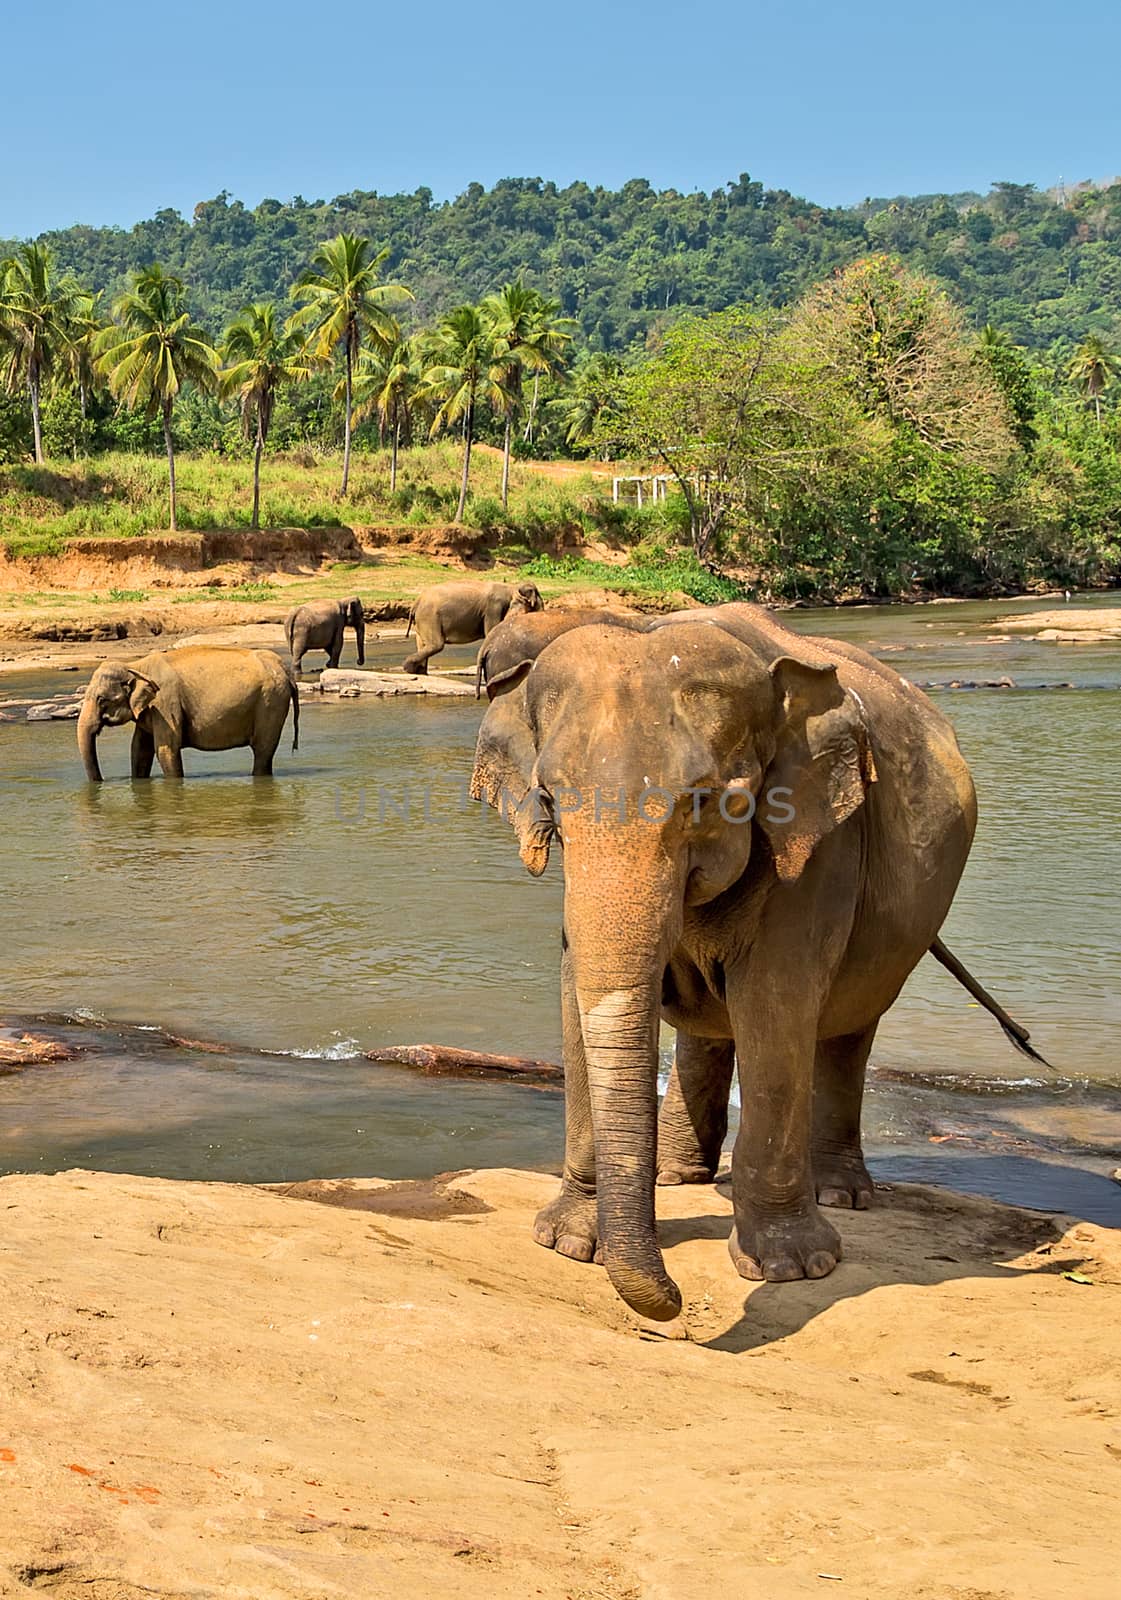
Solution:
(426, 646)
(693, 1120)
(840, 1176)
(267, 730)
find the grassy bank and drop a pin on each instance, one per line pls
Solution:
(123, 496)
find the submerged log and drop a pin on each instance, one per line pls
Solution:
(446, 1061)
(19, 1049)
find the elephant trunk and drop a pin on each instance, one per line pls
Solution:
(89, 726)
(618, 965)
(360, 637)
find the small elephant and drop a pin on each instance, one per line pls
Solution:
(526, 635)
(203, 697)
(319, 625)
(461, 612)
(762, 834)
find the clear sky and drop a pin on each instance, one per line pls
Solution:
(111, 111)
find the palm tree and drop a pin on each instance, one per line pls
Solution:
(1093, 369)
(388, 384)
(547, 350)
(344, 306)
(151, 349)
(460, 362)
(84, 324)
(594, 385)
(262, 356)
(512, 314)
(35, 308)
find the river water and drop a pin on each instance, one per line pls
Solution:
(360, 899)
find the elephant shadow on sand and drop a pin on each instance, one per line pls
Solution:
(913, 1236)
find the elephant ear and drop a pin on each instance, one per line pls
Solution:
(823, 759)
(504, 774)
(144, 690)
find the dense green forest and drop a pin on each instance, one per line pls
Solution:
(1045, 269)
(911, 396)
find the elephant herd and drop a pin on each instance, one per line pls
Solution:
(760, 837)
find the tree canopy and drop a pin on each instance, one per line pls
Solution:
(1043, 267)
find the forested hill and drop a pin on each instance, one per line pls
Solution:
(1046, 269)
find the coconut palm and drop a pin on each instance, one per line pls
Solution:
(459, 365)
(345, 307)
(83, 326)
(512, 314)
(388, 385)
(262, 356)
(151, 349)
(595, 383)
(1093, 369)
(35, 308)
(546, 349)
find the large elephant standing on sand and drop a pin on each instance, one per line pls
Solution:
(761, 837)
(319, 625)
(203, 697)
(461, 612)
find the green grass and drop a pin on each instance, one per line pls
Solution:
(121, 496)
(646, 573)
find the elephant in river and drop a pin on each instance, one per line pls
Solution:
(762, 834)
(525, 635)
(461, 612)
(319, 625)
(203, 697)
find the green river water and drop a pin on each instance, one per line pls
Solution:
(358, 899)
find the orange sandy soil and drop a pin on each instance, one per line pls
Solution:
(210, 1390)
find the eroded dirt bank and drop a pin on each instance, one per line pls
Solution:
(210, 1390)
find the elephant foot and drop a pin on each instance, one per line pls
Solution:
(841, 1179)
(675, 1172)
(569, 1226)
(781, 1249)
(419, 669)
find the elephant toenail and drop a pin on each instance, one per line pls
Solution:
(781, 1269)
(575, 1247)
(820, 1264)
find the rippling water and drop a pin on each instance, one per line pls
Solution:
(359, 899)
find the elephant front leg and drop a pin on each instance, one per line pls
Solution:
(143, 752)
(840, 1176)
(568, 1224)
(693, 1120)
(779, 1233)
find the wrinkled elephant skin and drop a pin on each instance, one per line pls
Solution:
(203, 697)
(762, 835)
(461, 612)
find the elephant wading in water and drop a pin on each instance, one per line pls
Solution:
(523, 637)
(761, 837)
(319, 626)
(203, 697)
(460, 613)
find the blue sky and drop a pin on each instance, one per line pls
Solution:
(156, 105)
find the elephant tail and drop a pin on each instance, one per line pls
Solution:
(294, 691)
(412, 618)
(290, 629)
(1014, 1031)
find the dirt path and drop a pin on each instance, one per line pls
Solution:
(208, 1390)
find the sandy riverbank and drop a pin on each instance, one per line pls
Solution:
(212, 1390)
(1068, 624)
